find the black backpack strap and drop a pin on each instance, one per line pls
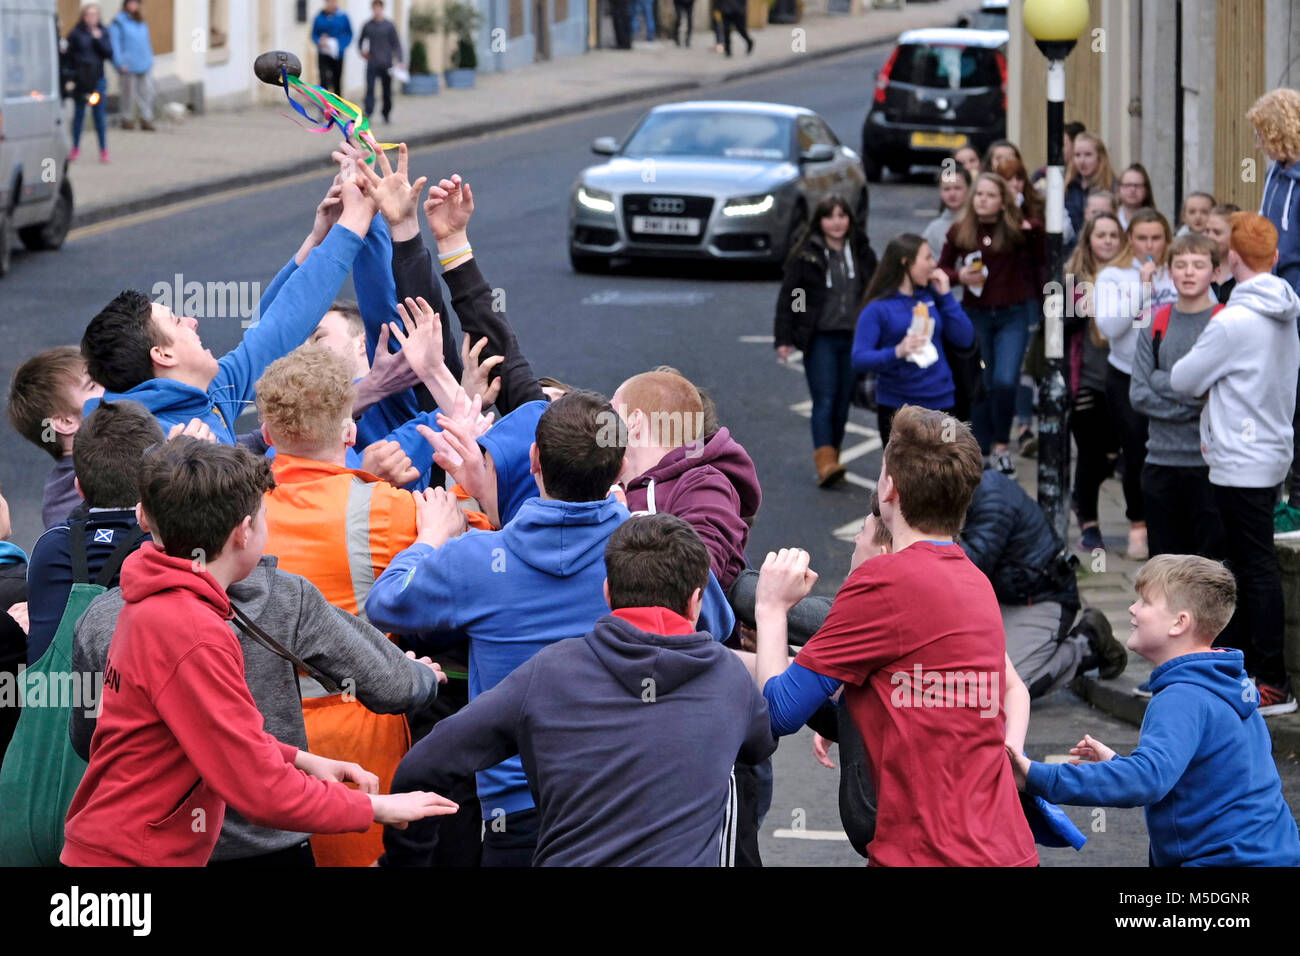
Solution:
(255, 633)
(77, 549)
(130, 541)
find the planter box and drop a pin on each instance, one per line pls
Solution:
(460, 79)
(421, 84)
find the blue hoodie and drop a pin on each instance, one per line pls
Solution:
(293, 314)
(1281, 207)
(508, 442)
(512, 592)
(132, 48)
(1203, 769)
(335, 25)
(884, 323)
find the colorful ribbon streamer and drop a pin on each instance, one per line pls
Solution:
(335, 111)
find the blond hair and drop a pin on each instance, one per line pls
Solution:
(1203, 588)
(1276, 118)
(305, 398)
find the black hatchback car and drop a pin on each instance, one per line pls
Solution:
(939, 90)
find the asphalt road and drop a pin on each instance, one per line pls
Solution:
(588, 330)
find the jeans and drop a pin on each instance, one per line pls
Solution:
(379, 73)
(1182, 515)
(1258, 626)
(646, 9)
(828, 365)
(331, 73)
(98, 113)
(1131, 426)
(1003, 336)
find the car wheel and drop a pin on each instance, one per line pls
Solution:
(6, 243)
(50, 235)
(871, 167)
(584, 263)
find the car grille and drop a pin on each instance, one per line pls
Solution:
(672, 207)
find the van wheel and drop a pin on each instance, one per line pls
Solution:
(50, 235)
(6, 243)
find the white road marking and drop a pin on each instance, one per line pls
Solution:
(758, 339)
(1057, 758)
(868, 483)
(811, 835)
(847, 532)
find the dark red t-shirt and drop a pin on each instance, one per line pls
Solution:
(917, 639)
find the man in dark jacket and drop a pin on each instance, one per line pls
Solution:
(633, 782)
(382, 47)
(1007, 538)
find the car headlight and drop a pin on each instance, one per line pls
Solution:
(749, 205)
(595, 199)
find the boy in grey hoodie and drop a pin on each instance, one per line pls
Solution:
(1181, 514)
(1246, 362)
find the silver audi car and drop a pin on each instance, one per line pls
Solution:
(710, 179)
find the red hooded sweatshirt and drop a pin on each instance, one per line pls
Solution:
(712, 487)
(180, 736)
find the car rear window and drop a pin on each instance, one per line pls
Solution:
(947, 67)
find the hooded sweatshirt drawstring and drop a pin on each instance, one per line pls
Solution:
(848, 263)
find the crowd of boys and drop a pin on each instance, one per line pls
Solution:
(568, 559)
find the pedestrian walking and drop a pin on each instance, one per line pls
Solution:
(133, 57)
(644, 10)
(683, 8)
(381, 47)
(817, 312)
(331, 31)
(733, 14)
(88, 47)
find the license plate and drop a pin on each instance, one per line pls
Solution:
(938, 140)
(665, 226)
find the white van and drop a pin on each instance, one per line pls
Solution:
(35, 195)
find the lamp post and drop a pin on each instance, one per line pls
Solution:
(1055, 25)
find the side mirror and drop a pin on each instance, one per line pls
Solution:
(605, 146)
(818, 153)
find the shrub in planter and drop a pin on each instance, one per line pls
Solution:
(460, 20)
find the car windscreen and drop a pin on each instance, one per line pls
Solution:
(946, 67)
(717, 135)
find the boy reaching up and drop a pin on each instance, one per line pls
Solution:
(179, 736)
(1203, 769)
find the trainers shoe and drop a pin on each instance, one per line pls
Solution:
(1091, 539)
(103, 156)
(74, 153)
(1137, 545)
(1111, 655)
(1274, 700)
(1028, 443)
(1143, 689)
(1003, 463)
(1286, 522)
(147, 126)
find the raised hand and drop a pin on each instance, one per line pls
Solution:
(419, 336)
(386, 459)
(196, 428)
(395, 195)
(475, 379)
(448, 208)
(438, 517)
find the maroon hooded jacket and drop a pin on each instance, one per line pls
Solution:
(713, 489)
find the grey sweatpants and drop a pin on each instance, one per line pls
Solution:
(137, 90)
(1041, 656)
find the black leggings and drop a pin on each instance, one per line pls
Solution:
(1094, 436)
(1131, 426)
(683, 8)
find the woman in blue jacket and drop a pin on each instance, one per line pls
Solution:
(909, 317)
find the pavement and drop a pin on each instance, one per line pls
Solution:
(226, 150)
(229, 150)
(1106, 582)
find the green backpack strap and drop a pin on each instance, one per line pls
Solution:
(41, 771)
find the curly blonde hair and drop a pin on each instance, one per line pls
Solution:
(1276, 118)
(305, 399)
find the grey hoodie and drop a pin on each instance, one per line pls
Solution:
(1246, 360)
(1173, 435)
(292, 611)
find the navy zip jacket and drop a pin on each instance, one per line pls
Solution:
(1203, 769)
(627, 736)
(49, 572)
